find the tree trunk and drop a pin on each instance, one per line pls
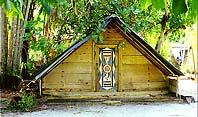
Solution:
(12, 45)
(3, 42)
(160, 41)
(17, 47)
(163, 33)
(28, 14)
(13, 50)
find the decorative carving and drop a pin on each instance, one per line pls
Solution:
(107, 68)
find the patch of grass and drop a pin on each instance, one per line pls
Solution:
(2, 100)
(25, 104)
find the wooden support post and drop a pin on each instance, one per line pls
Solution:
(193, 62)
(40, 87)
(177, 86)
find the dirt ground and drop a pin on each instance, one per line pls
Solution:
(118, 108)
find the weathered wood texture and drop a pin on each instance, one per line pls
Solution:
(78, 73)
(74, 73)
(173, 85)
(141, 74)
(136, 72)
(53, 94)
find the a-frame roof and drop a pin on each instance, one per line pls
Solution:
(161, 63)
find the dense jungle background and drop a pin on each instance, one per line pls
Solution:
(33, 32)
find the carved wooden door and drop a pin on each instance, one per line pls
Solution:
(106, 68)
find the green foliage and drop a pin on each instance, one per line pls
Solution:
(176, 36)
(179, 7)
(122, 44)
(165, 50)
(29, 66)
(37, 41)
(193, 9)
(177, 21)
(98, 38)
(25, 104)
(58, 21)
(2, 100)
(75, 20)
(145, 3)
(158, 4)
(12, 7)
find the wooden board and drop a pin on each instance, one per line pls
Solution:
(79, 57)
(74, 68)
(172, 89)
(112, 33)
(155, 74)
(134, 77)
(67, 86)
(128, 59)
(173, 82)
(111, 42)
(88, 43)
(130, 50)
(69, 78)
(155, 85)
(74, 73)
(84, 49)
(137, 68)
(104, 95)
(140, 86)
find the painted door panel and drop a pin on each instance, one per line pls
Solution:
(106, 68)
(106, 74)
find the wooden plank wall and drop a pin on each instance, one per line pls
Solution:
(136, 73)
(173, 85)
(139, 74)
(74, 74)
(112, 37)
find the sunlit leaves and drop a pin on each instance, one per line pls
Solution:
(27, 36)
(75, 19)
(33, 27)
(158, 4)
(176, 7)
(12, 7)
(193, 6)
(145, 3)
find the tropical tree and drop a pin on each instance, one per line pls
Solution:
(175, 15)
(47, 26)
(166, 17)
(3, 39)
(17, 13)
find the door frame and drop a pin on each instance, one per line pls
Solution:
(96, 62)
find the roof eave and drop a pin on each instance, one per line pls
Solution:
(173, 72)
(67, 53)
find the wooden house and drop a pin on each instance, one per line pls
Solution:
(123, 65)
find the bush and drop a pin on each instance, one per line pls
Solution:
(26, 103)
